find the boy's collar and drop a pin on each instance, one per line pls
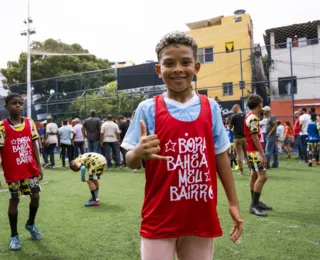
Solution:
(8, 119)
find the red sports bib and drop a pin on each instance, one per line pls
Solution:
(181, 194)
(17, 153)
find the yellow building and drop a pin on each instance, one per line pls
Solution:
(219, 40)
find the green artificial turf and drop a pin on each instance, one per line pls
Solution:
(111, 231)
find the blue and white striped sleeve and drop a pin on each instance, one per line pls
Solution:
(220, 136)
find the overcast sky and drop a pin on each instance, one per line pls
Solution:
(129, 29)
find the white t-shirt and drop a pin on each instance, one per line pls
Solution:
(52, 130)
(280, 132)
(110, 131)
(304, 119)
(263, 125)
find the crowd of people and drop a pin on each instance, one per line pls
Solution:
(278, 137)
(75, 138)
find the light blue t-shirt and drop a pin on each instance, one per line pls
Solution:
(187, 112)
(65, 134)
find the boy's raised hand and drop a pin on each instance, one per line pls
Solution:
(148, 146)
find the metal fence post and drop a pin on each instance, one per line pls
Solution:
(118, 103)
(85, 94)
(242, 85)
(292, 87)
(57, 97)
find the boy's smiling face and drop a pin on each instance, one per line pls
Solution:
(177, 67)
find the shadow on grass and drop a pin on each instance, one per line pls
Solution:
(42, 253)
(106, 207)
(306, 218)
(281, 178)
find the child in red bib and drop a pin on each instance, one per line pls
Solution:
(179, 210)
(19, 151)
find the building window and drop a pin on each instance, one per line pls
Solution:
(287, 85)
(238, 19)
(205, 55)
(227, 88)
(229, 47)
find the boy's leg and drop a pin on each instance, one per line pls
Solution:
(257, 189)
(252, 181)
(192, 247)
(15, 243)
(96, 182)
(94, 201)
(14, 189)
(158, 249)
(32, 187)
(33, 207)
(257, 179)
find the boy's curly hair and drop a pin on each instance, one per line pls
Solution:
(176, 37)
(253, 101)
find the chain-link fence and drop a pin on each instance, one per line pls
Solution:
(286, 75)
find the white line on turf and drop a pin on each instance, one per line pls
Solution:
(313, 242)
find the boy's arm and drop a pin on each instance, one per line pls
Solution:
(36, 155)
(83, 173)
(146, 149)
(226, 178)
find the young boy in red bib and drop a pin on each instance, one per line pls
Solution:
(256, 155)
(181, 138)
(21, 166)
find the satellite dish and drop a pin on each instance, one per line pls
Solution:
(240, 11)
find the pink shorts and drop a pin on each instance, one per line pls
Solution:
(186, 248)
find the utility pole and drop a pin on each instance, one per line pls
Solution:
(27, 33)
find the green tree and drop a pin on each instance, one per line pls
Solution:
(105, 101)
(51, 66)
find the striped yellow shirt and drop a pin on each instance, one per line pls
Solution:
(17, 127)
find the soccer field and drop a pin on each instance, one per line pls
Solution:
(111, 231)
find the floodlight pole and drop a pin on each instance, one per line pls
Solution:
(27, 33)
(28, 66)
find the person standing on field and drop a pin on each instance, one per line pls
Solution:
(162, 135)
(91, 130)
(20, 157)
(237, 124)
